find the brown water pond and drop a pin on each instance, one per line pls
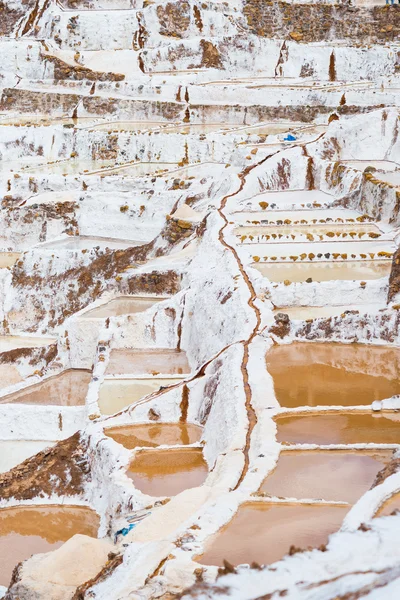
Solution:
(264, 533)
(171, 434)
(325, 475)
(147, 362)
(31, 530)
(168, 472)
(339, 428)
(124, 305)
(67, 389)
(308, 374)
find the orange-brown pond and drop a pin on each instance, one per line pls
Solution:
(264, 533)
(339, 428)
(325, 475)
(124, 305)
(168, 472)
(147, 362)
(308, 374)
(171, 434)
(67, 389)
(31, 530)
(389, 506)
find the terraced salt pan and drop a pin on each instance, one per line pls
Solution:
(151, 362)
(291, 82)
(28, 530)
(12, 342)
(199, 128)
(344, 249)
(67, 389)
(325, 271)
(325, 475)
(9, 375)
(92, 167)
(330, 374)
(168, 472)
(271, 128)
(21, 120)
(292, 199)
(88, 242)
(385, 165)
(316, 312)
(117, 394)
(339, 428)
(264, 533)
(12, 453)
(155, 434)
(298, 217)
(8, 259)
(116, 126)
(307, 233)
(124, 305)
(393, 178)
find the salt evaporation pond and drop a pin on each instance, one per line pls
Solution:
(264, 533)
(168, 472)
(331, 374)
(151, 362)
(8, 259)
(67, 389)
(27, 530)
(88, 242)
(124, 305)
(339, 428)
(296, 272)
(157, 434)
(259, 233)
(316, 312)
(117, 394)
(341, 476)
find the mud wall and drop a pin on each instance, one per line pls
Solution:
(322, 22)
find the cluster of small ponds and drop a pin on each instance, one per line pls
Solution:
(303, 500)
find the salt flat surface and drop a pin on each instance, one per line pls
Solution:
(318, 312)
(85, 243)
(11, 342)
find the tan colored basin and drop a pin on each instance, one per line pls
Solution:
(330, 374)
(168, 472)
(147, 362)
(264, 533)
(67, 389)
(325, 475)
(124, 305)
(325, 271)
(8, 259)
(157, 434)
(117, 394)
(31, 530)
(339, 428)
